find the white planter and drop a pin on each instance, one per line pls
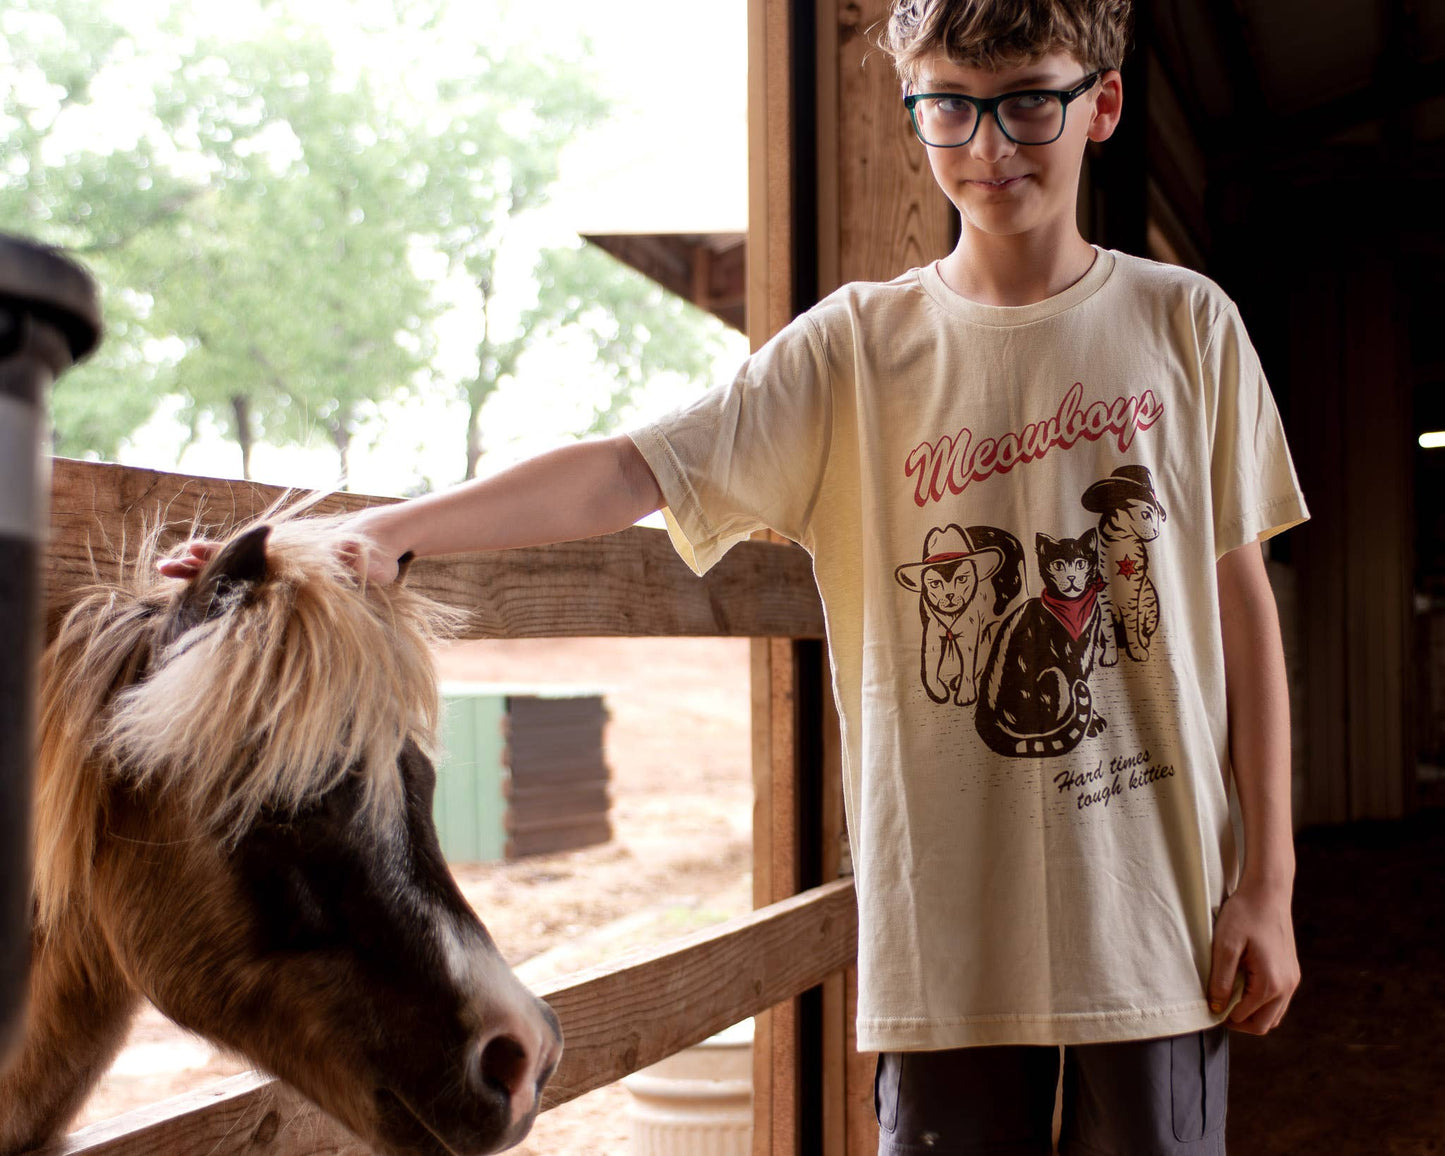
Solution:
(698, 1102)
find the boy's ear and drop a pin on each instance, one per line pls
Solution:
(1108, 106)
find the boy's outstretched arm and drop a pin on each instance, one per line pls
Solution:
(1254, 933)
(577, 491)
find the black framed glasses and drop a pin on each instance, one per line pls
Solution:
(1034, 116)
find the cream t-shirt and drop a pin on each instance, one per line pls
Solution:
(1014, 515)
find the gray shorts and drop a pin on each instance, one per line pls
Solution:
(1161, 1097)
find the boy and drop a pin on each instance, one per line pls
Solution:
(1061, 461)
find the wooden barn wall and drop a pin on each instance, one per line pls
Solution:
(1324, 306)
(1351, 407)
(1326, 312)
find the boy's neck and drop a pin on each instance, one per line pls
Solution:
(1015, 270)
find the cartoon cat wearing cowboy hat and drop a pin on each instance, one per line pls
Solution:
(1130, 514)
(956, 620)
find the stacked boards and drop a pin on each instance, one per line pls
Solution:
(522, 771)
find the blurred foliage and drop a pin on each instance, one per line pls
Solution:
(260, 232)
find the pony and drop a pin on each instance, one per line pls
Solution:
(233, 819)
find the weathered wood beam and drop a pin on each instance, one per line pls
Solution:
(630, 583)
(617, 1020)
(1281, 141)
(707, 269)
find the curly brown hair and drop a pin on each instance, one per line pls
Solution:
(1004, 33)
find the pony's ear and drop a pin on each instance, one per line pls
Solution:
(239, 564)
(243, 561)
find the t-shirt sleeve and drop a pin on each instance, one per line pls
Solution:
(1254, 489)
(749, 455)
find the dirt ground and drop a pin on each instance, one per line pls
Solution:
(678, 747)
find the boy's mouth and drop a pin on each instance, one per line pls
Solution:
(1000, 183)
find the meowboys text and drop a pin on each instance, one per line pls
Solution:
(951, 463)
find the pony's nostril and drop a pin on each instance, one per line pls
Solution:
(504, 1064)
(504, 1068)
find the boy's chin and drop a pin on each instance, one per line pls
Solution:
(999, 224)
(1012, 220)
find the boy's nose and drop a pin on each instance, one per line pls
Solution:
(989, 143)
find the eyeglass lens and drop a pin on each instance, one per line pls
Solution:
(1027, 118)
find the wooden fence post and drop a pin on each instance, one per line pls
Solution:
(839, 191)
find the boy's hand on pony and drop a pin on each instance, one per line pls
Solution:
(371, 562)
(191, 563)
(1254, 937)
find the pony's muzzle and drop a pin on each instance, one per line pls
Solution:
(515, 1061)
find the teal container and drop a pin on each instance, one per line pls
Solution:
(470, 807)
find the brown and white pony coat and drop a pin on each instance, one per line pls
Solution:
(233, 820)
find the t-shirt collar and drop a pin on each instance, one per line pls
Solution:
(1004, 316)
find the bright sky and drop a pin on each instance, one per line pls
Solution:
(672, 158)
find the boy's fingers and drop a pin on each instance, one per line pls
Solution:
(189, 564)
(1255, 998)
(1222, 972)
(1263, 1021)
(353, 552)
(368, 563)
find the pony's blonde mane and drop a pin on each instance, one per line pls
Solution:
(288, 686)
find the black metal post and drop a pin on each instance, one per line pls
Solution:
(49, 319)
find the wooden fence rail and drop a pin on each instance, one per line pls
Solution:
(617, 1019)
(629, 584)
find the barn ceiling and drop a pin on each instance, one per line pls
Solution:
(1277, 77)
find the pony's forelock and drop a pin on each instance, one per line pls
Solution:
(289, 685)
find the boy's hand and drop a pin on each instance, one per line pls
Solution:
(372, 562)
(191, 563)
(1254, 936)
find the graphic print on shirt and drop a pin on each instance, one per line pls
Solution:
(1035, 700)
(1026, 665)
(1130, 514)
(965, 581)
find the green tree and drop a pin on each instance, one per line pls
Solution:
(259, 233)
(247, 232)
(95, 204)
(637, 330)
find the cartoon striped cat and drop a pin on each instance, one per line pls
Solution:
(1130, 515)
